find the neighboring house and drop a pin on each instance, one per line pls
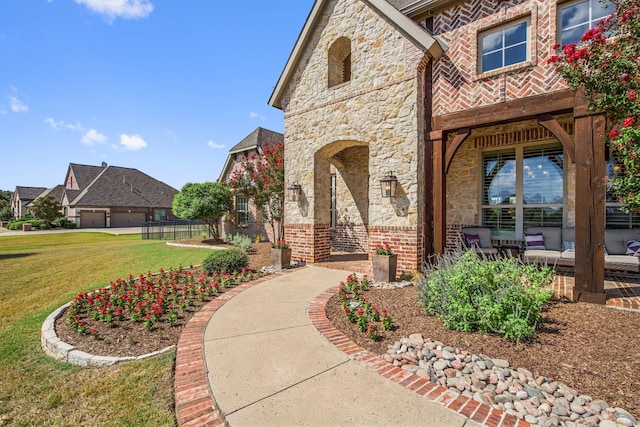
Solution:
(244, 219)
(455, 98)
(21, 198)
(104, 196)
(113, 196)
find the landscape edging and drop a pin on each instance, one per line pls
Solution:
(53, 346)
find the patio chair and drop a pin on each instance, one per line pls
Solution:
(479, 238)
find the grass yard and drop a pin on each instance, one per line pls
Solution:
(39, 273)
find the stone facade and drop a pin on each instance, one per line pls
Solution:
(364, 128)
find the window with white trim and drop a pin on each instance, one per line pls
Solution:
(576, 17)
(504, 46)
(242, 210)
(522, 187)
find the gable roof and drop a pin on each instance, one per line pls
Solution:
(253, 141)
(29, 193)
(119, 186)
(83, 174)
(57, 193)
(414, 32)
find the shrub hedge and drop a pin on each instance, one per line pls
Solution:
(227, 260)
(502, 296)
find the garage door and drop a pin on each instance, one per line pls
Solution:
(128, 219)
(93, 220)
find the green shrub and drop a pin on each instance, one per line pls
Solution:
(238, 240)
(227, 260)
(64, 223)
(501, 296)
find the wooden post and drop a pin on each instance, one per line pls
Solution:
(590, 208)
(439, 193)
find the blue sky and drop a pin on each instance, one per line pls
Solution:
(164, 86)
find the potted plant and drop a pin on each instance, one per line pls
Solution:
(385, 263)
(280, 255)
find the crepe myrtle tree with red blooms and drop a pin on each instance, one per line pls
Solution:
(605, 64)
(260, 178)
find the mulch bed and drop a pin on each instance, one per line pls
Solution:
(591, 348)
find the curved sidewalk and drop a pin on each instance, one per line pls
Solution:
(266, 364)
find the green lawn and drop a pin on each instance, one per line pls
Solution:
(39, 273)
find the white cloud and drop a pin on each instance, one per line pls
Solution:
(132, 142)
(126, 9)
(214, 145)
(17, 106)
(51, 122)
(253, 115)
(76, 126)
(93, 137)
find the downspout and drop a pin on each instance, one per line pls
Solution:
(427, 225)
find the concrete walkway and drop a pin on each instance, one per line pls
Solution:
(268, 365)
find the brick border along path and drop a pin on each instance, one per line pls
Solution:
(195, 405)
(194, 402)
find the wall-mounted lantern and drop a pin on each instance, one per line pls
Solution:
(293, 192)
(388, 185)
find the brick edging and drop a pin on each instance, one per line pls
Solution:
(194, 401)
(476, 411)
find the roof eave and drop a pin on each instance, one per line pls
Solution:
(296, 53)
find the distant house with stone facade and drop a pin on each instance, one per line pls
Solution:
(455, 98)
(244, 219)
(21, 197)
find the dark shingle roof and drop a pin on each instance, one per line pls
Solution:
(399, 4)
(256, 139)
(29, 193)
(56, 192)
(84, 174)
(124, 187)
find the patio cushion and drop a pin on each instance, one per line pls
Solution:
(616, 240)
(483, 233)
(633, 248)
(569, 246)
(552, 236)
(534, 241)
(544, 254)
(472, 240)
(622, 259)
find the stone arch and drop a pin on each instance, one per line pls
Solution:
(349, 160)
(339, 62)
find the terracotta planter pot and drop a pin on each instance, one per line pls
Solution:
(384, 267)
(280, 258)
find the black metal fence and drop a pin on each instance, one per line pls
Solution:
(174, 230)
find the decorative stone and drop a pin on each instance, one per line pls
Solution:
(500, 363)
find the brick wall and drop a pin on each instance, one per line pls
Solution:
(309, 243)
(349, 238)
(404, 241)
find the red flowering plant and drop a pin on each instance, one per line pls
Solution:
(359, 310)
(280, 244)
(260, 178)
(383, 248)
(607, 69)
(151, 298)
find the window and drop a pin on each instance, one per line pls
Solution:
(242, 210)
(614, 217)
(575, 18)
(340, 62)
(160, 214)
(521, 188)
(504, 46)
(333, 211)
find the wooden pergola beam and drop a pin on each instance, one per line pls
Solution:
(549, 123)
(453, 148)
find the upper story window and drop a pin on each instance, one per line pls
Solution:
(576, 17)
(504, 46)
(340, 62)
